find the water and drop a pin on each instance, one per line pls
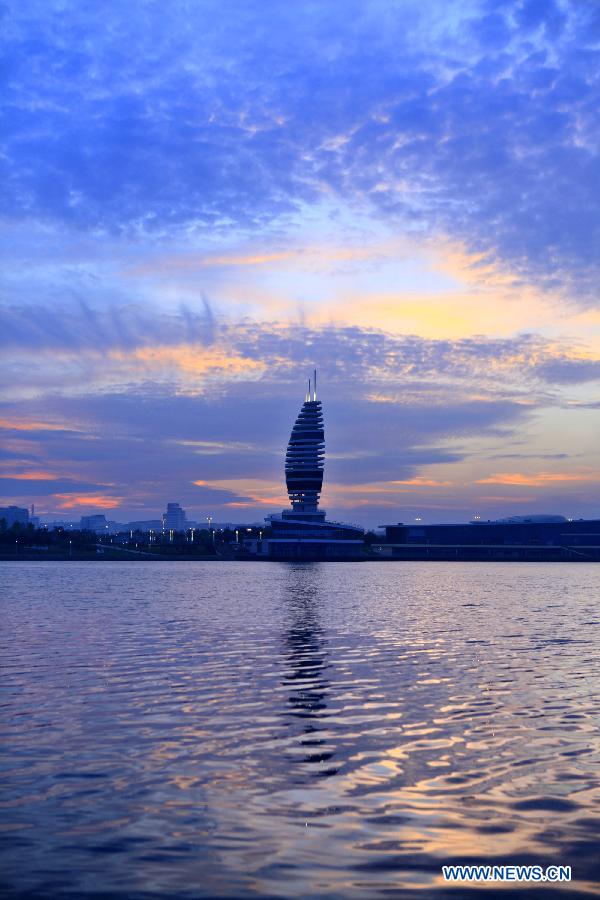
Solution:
(189, 730)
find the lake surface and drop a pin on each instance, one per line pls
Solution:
(188, 729)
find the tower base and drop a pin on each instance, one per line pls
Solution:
(307, 535)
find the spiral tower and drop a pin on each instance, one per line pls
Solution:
(305, 456)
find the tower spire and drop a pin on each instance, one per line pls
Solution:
(315, 385)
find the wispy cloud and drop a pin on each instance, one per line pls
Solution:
(86, 501)
(539, 479)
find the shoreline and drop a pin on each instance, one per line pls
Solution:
(31, 557)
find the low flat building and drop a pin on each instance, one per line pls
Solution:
(145, 525)
(520, 537)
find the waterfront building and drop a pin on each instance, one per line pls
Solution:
(14, 515)
(535, 537)
(175, 518)
(302, 532)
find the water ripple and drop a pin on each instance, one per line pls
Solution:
(228, 729)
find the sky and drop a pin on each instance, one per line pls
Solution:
(202, 203)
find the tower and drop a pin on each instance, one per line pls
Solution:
(305, 456)
(302, 532)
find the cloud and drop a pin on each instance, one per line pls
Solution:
(78, 326)
(20, 425)
(34, 475)
(195, 262)
(80, 503)
(565, 370)
(540, 479)
(200, 208)
(32, 485)
(84, 350)
(474, 121)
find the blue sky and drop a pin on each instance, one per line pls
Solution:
(200, 207)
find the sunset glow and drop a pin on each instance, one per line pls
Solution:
(181, 250)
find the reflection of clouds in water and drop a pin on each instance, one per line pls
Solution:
(189, 743)
(306, 661)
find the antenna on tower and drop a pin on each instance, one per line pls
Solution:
(315, 383)
(308, 395)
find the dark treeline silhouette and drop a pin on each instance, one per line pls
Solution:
(66, 542)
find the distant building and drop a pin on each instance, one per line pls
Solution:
(95, 523)
(99, 524)
(13, 515)
(174, 519)
(145, 525)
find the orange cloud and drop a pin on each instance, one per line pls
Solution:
(541, 479)
(187, 263)
(30, 476)
(302, 257)
(453, 259)
(19, 425)
(98, 501)
(193, 359)
(443, 314)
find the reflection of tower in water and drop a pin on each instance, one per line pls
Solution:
(305, 670)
